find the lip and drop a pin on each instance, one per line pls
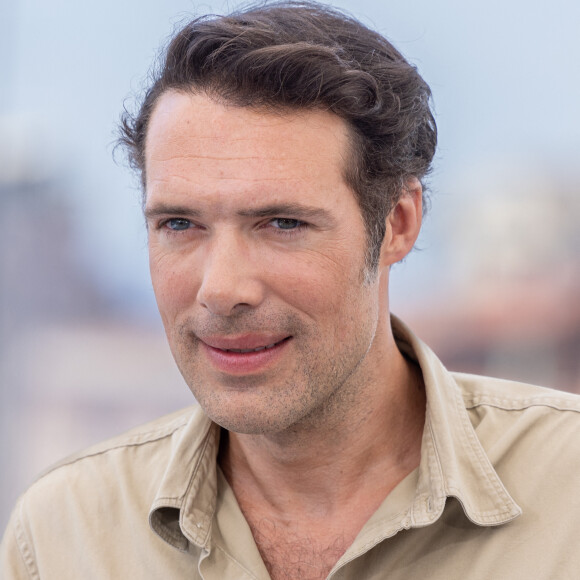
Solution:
(246, 354)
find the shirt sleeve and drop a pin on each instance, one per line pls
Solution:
(16, 554)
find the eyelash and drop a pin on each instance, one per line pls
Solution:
(300, 226)
(165, 225)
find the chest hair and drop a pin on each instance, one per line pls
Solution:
(290, 554)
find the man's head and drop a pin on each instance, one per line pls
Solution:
(293, 56)
(270, 155)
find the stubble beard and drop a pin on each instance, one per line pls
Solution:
(317, 387)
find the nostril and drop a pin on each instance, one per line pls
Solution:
(226, 296)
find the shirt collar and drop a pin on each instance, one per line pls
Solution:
(453, 463)
(185, 502)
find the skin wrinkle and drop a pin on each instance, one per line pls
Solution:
(254, 233)
(245, 225)
(205, 158)
(322, 261)
(274, 398)
(234, 179)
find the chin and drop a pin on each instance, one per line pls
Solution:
(250, 420)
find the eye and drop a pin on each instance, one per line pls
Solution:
(286, 223)
(178, 224)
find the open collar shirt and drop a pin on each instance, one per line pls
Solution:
(495, 496)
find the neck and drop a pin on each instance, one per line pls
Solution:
(362, 445)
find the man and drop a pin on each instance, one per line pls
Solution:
(281, 151)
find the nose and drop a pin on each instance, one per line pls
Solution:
(230, 277)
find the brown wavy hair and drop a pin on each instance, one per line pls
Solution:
(304, 55)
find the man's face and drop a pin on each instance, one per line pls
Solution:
(257, 251)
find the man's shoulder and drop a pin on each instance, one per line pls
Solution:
(100, 497)
(141, 453)
(511, 395)
(524, 420)
(143, 436)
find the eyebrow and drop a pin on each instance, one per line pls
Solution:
(161, 209)
(295, 210)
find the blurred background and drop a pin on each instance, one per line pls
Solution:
(493, 286)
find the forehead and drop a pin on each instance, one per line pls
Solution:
(194, 141)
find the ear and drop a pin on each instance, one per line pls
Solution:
(403, 223)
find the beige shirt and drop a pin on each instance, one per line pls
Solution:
(496, 496)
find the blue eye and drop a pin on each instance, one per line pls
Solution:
(178, 224)
(286, 223)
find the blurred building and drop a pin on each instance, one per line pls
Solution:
(512, 305)
(73, 370)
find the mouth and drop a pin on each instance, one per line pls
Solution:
(244, 355)
(257, 349)
(245, 343)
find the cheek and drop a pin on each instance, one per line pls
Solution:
(320, 288)
(335, 288)
(308, 293)
(174, 282)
